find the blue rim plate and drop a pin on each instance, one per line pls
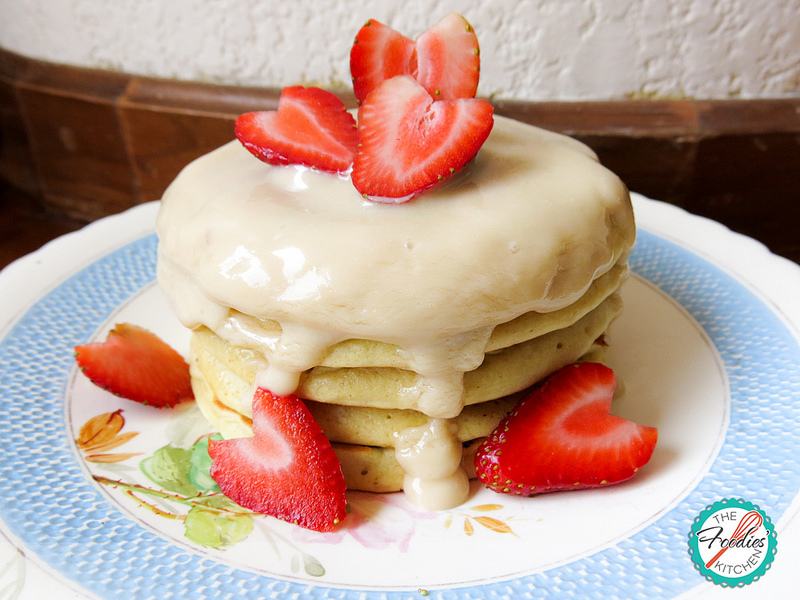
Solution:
(735, 292)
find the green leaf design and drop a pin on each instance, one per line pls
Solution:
(168, 467)
(184, 491)
(220, 502)
(312, 566)
(216, 529)
(200, 465)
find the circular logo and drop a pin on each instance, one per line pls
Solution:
(732, 542)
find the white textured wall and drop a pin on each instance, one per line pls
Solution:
(531, 49)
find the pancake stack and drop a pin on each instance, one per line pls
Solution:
(359, 393)
(410, 331)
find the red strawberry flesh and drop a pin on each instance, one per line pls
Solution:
(562, 437)
(410, 143)
(138, 365)
(379, 53)
(448, 59)
(311, 127)
(288, 469)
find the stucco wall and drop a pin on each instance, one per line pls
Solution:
(531, 49)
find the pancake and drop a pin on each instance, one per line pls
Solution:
(365, 468)
(373, 353)
(232, 370)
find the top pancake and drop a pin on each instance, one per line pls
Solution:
(526, 227)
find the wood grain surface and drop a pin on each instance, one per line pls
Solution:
(79, 144)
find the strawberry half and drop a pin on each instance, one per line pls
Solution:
(562, 437)
(138, 365)
(379, 53)
(448, 59)
(410, 143)
(445, 59)
(287, 469)
(311, 127)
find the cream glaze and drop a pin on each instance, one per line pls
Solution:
(430, 456)
(526, 226)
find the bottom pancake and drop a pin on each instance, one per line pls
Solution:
(365, 468)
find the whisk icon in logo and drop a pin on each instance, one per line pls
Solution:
(732, 542)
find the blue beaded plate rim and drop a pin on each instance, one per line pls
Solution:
(123, 559)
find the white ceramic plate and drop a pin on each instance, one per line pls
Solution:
(708, 350)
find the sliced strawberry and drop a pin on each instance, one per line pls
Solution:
(448, 59)
(410, 143)
(379, 53)
(311, 127)
(445, 59)
(287, 469)
(562, 437)
(138, 365)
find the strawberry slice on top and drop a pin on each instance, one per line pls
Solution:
(138, 365)
(448, 59)
(379, 53)
(311, 127)
(288, 469)
(445, 59)
(409, 142)
(562, 437)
